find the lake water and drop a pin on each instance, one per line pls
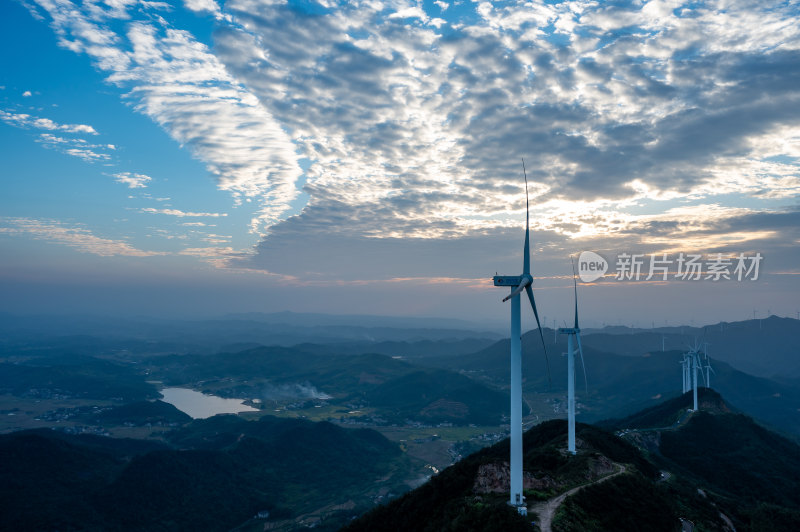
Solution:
(200, 406)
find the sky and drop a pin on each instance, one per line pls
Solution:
(203, 157)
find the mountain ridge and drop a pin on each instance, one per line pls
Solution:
(648, 490)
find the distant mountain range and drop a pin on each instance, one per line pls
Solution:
(768, 347)
(93, 335)
(619, 384)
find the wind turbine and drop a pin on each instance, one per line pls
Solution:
(694, 377)
(708, 368)
(518, 284)
(694, 364)
(574, 332)
(685, 363)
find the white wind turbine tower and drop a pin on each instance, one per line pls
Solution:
(517, 285)
(694, 377)
(685, 367)
(574, 332)
(708, 368)
(694, 362)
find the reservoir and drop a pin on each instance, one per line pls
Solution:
(200, 406)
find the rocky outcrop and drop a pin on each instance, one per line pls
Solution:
(495, 478)
(650, 441)
(599, 467)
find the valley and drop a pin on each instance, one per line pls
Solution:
(429, 404)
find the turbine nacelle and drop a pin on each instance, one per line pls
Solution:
(507, 280)
(524, 280)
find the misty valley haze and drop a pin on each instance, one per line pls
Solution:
(382, 393)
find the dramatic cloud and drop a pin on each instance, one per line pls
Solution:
(78, 238)
(418, 131)
(655, 124)
(177, 82)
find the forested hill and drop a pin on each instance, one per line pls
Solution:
(213, 474)
(714, 468)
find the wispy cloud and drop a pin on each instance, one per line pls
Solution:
(182, 214)
(132, 180)
(73, 146)
(27, 121)
(77, 147)
(219, 257)
(177, 82)
(204, 6)
(73, 236)
(212, 238)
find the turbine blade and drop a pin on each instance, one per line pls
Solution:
(583, 365)
(526, 252)
(516, 291)
(575, 286)
(529, 290)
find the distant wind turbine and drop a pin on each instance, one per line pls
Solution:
(574, 332)
(692, 365)
(685, 365)
(708, 369)
(695, 363)
(517, 285)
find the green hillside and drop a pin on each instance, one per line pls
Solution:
(668, 413)
(716, 469)
(471, 494)
(215, 474)
(398, 390)
(80, 377)
(435, 396)
(143, 413)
